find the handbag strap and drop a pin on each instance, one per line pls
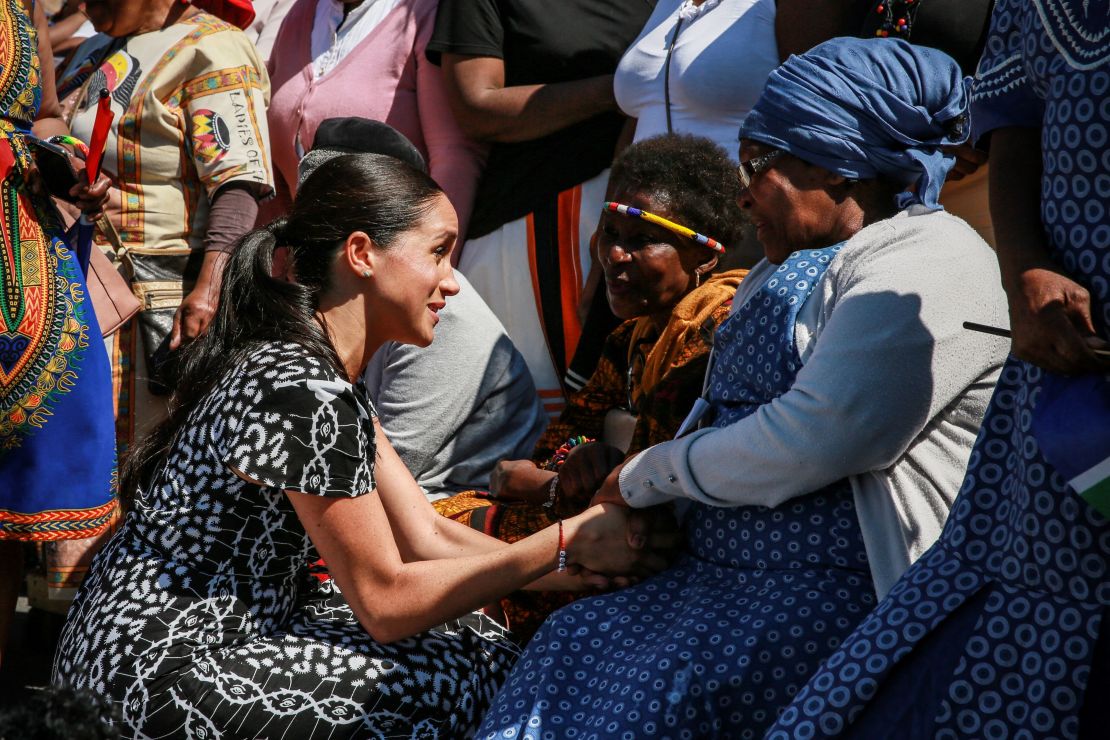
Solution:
(108, 230)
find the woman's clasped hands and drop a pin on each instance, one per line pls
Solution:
(611, 545)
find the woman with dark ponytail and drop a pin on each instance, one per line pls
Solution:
(201, 616)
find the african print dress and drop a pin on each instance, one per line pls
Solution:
(201, 619)
(1000, 630)
(190, 117)
(57, 456)
(715, 645)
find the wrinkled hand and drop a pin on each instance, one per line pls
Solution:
(610, 490)
(643, 525)
(194, 314)
(585, 468)
(599, 542)
(519, 480)
(91, 199)
(968, 159)
(199, 306)
(1050, 317)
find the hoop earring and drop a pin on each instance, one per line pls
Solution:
(697, 278)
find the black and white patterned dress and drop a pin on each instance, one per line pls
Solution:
(201, 619)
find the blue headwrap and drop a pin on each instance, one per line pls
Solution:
(867, 107)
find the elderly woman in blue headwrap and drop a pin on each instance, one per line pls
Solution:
(841, 406)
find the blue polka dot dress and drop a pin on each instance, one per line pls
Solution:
(999, 630)
(716, 645)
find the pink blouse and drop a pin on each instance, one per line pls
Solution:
(385, 78)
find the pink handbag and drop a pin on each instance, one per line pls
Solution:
(111, 295)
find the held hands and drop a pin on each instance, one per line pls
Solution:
(601, 539)
(1050, 316)
(586, 468)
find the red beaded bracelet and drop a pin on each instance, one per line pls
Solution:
(562, 550)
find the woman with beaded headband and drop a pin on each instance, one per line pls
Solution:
(661, 279)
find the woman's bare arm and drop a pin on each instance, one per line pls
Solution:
(49, 121)
(1050, 314)
(487, 110)
(421, 533)
(394, 599)
(403, 569)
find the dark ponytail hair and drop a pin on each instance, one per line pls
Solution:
(376, 194)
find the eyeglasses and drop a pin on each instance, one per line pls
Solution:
(749, 168)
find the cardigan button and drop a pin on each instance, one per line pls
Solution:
(649, 483)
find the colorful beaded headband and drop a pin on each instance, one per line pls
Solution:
(666, 224)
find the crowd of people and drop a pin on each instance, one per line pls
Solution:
(520, 369)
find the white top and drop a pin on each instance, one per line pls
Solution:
(721, 61)
(333, 37)
(891, 392)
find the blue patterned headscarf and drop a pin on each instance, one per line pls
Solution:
(867, 107)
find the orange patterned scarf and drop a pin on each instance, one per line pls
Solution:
(687, 318)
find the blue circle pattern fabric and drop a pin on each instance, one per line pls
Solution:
(1013, 597)
(717, 644)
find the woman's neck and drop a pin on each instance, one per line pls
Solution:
(659, 320)
(345, 325)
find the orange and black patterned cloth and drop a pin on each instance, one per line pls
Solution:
(667, 371)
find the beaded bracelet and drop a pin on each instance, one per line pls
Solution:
(560, 455)
(552, 493)
(77, 144)
(562, 550)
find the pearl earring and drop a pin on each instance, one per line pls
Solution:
(366, 273)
